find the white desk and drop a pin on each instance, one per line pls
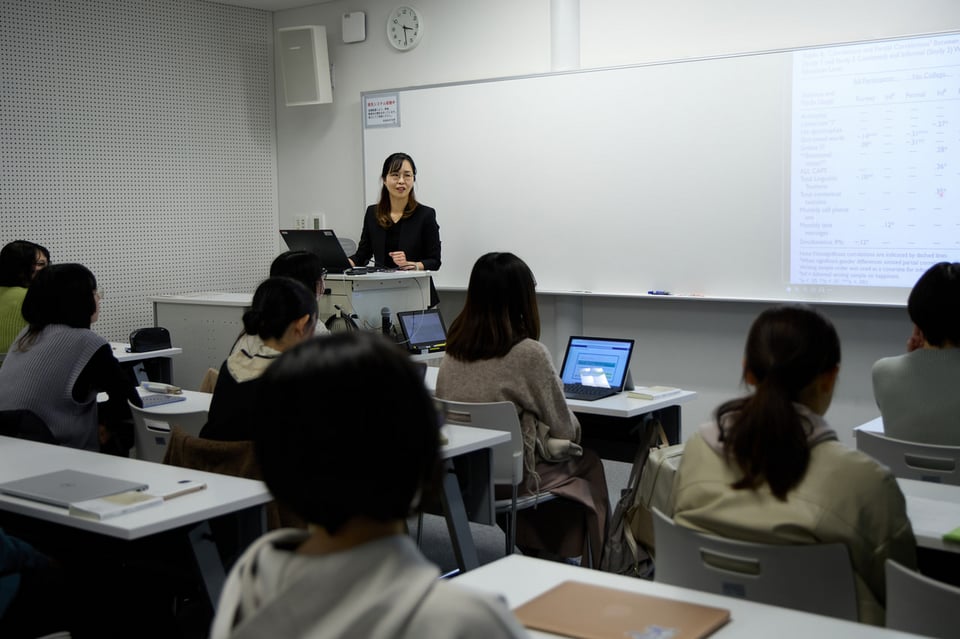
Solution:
(121, 350)
(613, 431)
(520, 579)
(476, 443)
(933, 509)
(195, 403)
(223, 495)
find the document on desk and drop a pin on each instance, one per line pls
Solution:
(588, 611)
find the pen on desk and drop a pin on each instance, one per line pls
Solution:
(658, 292)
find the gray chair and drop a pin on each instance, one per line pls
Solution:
(507, 457)
(151, 431)
(912, 460)
(921, 605)
(765, 573)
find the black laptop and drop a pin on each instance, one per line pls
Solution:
(323, 243)
(595, 367)
(423, 331)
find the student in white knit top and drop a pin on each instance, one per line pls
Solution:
(917, 391)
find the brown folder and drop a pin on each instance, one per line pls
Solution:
(576, 609)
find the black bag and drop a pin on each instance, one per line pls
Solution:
(152, 338)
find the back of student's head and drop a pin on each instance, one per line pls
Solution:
(788, 348)
(934, 304)
(61, 294)
(303, 266)
(346, 429)
(500, 310)
(278, 302)
(18, 261)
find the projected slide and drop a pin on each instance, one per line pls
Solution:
(875, 162)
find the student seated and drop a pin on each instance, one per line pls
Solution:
(769, 469)
(306, 268)
(493, 355)
(917, 391)
(57, 365)
(20, 261)
(348, 438)
(282, 315)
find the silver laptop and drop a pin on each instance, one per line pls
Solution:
(64, 487)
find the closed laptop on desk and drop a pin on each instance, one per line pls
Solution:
(595, 367)
(587, 611)
(64, 487)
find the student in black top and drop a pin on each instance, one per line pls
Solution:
(283, 314)
(57, 365)
(398, 231)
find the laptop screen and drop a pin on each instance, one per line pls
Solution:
(423, 330)
(596, 361)
(323, 243)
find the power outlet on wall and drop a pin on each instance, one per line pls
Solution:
(300, 222)
(318, 221)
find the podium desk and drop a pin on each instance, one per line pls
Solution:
(366, 295)
(519, 579)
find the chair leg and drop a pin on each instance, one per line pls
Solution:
(419, 529)
(511, 532)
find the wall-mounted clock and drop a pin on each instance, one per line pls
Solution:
(404, 28)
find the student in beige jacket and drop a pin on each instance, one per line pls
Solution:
(770, 468)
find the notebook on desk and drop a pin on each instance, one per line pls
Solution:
(595, 367)
(64, 487)
(323, 243)
(587, 611)
(423, 331)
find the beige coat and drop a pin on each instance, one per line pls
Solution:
(844, 497)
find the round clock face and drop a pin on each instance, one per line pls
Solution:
(404, 28)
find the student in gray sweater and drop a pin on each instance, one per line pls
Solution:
(918, 392)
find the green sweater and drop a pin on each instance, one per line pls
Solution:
(11, 320)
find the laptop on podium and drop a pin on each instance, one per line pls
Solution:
(323, 243)
(595, 367)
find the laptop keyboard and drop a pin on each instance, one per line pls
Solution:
(587, 393)
(159, 399)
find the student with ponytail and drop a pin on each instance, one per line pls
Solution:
(769, 469)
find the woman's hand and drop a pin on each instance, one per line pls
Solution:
(400, 259)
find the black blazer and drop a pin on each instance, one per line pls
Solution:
(419, 239)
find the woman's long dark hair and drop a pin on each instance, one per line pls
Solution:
(277, 302)
(787, 348)
(393, 164)
(500, 311)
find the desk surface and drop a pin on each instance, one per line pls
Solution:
(619, 405)
(465, 439)
(122, 353)
(20, 458)
(520, 579)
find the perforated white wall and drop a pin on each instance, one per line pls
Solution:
(137, 138)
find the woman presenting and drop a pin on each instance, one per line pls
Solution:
(399, 232)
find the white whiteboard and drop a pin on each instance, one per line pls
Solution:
(672, 176)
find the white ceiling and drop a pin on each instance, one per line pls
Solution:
(271, 5)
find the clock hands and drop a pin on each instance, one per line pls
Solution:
(405, 29)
